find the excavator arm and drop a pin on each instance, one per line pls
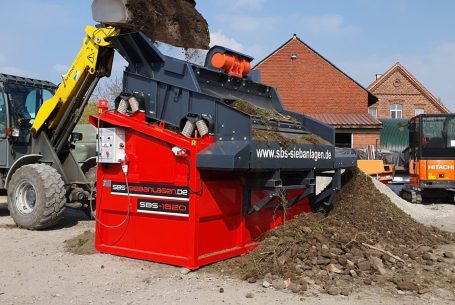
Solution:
(94, 61)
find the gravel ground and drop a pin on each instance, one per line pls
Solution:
(440, 215)
(36, 269)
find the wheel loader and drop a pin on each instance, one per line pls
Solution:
(271, 157)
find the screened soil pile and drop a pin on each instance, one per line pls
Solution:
(263, 114)
(175, 22)
(82, 244)
(364, 240)
(275, 136)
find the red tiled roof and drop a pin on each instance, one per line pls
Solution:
(419, 86)
(348, 120)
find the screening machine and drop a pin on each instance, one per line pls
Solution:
(198, 162)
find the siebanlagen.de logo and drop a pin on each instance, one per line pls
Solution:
(296, 153)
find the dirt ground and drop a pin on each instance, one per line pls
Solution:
(35, 268)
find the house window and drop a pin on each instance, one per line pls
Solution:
(396, 111)
(373, 111)
(419, 111)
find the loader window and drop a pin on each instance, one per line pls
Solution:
(2, 116)
(25, 102)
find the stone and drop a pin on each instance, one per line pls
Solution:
(251, 280)
(266, 284)
(353, 273)
(294, 287)
(279, 284)
(323, 261)
(423, 249)
(333, 290)
(184, 271)
(336, 251)
(377, 265)
(367, 281)
(342, 260)
(249, 295)
(391, 260)
(221, 290)
(412, 255)
(350, 264)
(326, 253)
(345, 291)
(406, 285)
(448, 254)
(282, 260)
(334, 269)
(364, 265)
(306, 267)
(306, 230)
(429, 257)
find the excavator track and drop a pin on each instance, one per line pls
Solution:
(412, 195)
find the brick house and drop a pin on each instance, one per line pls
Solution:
(308, 83)
(402, 96)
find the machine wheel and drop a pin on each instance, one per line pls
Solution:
(91, 176)
(36, 197)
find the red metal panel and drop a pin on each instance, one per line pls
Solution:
(215, 227)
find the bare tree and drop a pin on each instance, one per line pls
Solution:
(108, 88)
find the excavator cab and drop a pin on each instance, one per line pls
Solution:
(431, 157)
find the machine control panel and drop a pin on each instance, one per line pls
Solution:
(110, 145)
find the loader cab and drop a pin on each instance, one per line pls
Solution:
(20, 100)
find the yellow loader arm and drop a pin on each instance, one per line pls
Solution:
(86, 66)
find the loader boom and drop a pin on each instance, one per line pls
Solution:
(66, 106)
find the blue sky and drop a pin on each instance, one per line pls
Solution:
(40, 38)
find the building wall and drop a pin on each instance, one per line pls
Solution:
(361, 140)
(309, 84)
(397, 89)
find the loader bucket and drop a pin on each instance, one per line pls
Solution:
(113, 12)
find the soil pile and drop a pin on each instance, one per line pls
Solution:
(365, 239)
(264, 114)
(82, 244)
(175, 22)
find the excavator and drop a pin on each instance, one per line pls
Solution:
(431, 158)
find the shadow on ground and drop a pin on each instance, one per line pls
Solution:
(72, 217)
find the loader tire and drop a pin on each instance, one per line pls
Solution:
(36, 197)
(91, 176)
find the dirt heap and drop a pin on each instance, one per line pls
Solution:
(364, 240)
(82, 244)
(175, 22)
